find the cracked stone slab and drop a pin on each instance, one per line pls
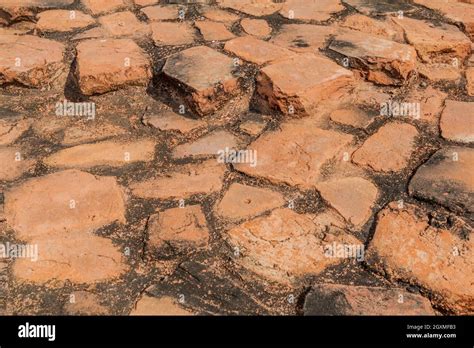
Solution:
(303, 37)
(208, 145)
(207, 86)
(315, 10)
(446, 178)
(381, 7)
(408, 246)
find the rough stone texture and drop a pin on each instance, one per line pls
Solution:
(57, 212)
(29, 60)
(160, 13)
(210, 85)
(63, 20)
(252, 127)
(123, 24)
(385, 29)
(435, 44)
(294, 154)
(214, 31)
(300, 91)
(178, 228)
(107, 153)
(171, 33)
(334, 299)
(12, 128)
(184, 182)
(316, 10)
(97, 7)
(148, 305)
(378, 7)
(457, 121)
(285, 246)
(440, 72)
(256, 27)
(431, 103)
(242, 201)
(209, 145)
(170, 121)
(383, 62)
(446, 178)
(106, 65)
(406, 247)
(353, 117)
(85, 303)
(352, 197)
(256, 51)
(303, 37)
(389, 149)
(12, 168)
(257, 8)
(218, 15)
(470, 81)
(75, 135)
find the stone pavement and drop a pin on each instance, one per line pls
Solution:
(192, 157)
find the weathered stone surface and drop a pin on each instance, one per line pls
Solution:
(109, 64)
(383, 62)
(148, 305)
(171, 33)
(431, 103)
(316, 10)
(103, 6)
(208, 145)
(334, 299)
(85, 303)
(454, 10)
(354, 117)
(389, 149)
(255, 8)
(63, 20)
(470, 81)
(256, 27)
(287, 246)
(160, 13)
(407, 247)
(218, 15)
(13, 164)
(303, 37)
(242, 201)
(184, 182)
(79, 134)
(210, 85)
(12, 128)
(178, 228)
(439, 72)
(297, 85)
(295, 153)
(253, 127)
(170, 121)
(145, 2)
(257, 51)
(385, 29)
(214, 31)
(57, 212)
(107, 153)
(368, 7)
(29, 60)
(435, 44)
(447, 179)
(457, 121)
(123, 24)
(352, 197)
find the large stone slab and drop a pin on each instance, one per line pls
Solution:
(316, 10)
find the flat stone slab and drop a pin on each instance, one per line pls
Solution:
(295, 154)
(446, 178)
(63, 20)
(256, 8)
(384, 62)
(172, 33)
(335, 299)
(316, 10)
(13, 163)
(407, 246)
(295, 86)
(105, 65)
(160, 13)
(303, 37)
(457, 121)
(207, 86)
(214, 31)
(185, 181)
(208, 145)
(380, 7)
(30, 60)
(97, 7)
(123, 24)
(170, 121)
(285, 246)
